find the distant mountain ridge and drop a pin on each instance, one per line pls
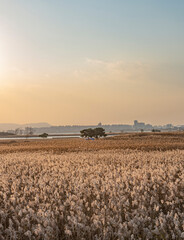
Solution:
(13, 126)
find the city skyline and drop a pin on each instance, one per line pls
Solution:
(135, 125)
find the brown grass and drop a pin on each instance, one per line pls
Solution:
(139, 141)
(107, 194)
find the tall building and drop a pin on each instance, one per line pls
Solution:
(135, 123)
(138, 125)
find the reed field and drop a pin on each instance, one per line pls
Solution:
(135, 141)
(125, 187)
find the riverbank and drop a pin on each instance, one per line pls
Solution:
(137, 141)
(50, 136)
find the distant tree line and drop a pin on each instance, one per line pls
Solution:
(93, 133)
(6, 134)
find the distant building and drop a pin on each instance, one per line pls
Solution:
(135, 123)
(148, 127)
(11, 131)
(169, 125)
(139, 125)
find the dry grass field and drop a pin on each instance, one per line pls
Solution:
(138, 141)
(126, 187)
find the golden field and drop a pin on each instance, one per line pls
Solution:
(138, 141)
(125, 187)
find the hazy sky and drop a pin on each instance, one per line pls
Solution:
(86, 61)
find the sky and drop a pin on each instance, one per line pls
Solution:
(88, 61)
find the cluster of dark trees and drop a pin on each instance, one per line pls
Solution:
(93, 133)
(44, 135)
(156, 130)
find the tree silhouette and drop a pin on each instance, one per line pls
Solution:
(96, 132)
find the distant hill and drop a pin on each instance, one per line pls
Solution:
(37, 125)
(13, 126)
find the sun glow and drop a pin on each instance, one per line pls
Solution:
(1, 65)
(1, 56)
(2, 60)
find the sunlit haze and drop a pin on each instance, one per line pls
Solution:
(82, 62)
